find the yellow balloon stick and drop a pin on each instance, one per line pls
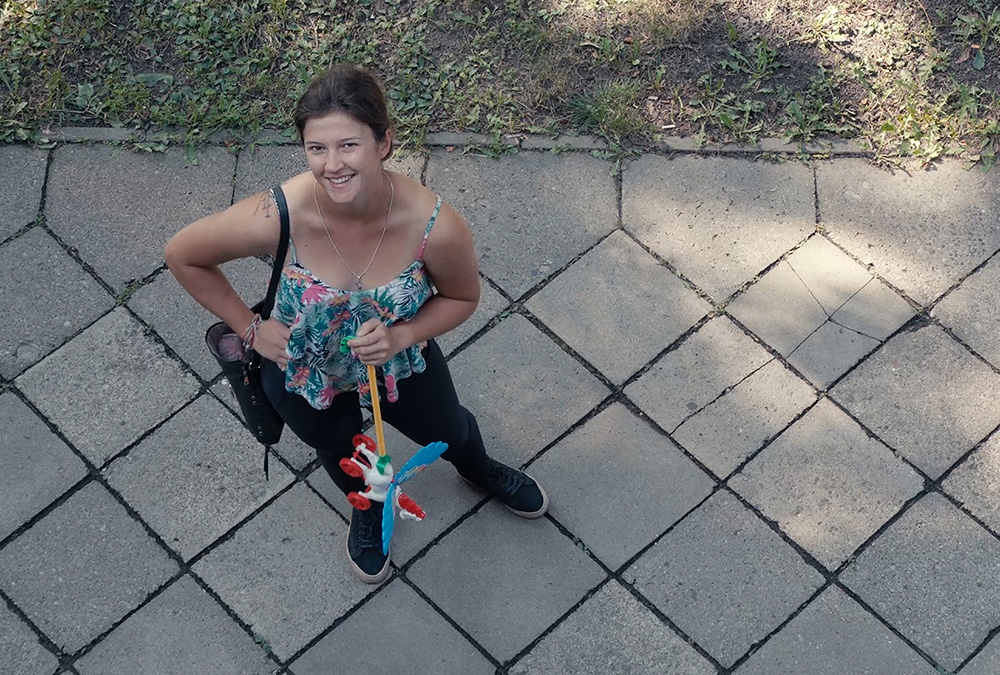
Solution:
(373, 386)
(376, 411)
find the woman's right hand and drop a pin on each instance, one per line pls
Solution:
(271, 342)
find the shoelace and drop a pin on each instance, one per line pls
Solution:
(506, 480)
(366, 530)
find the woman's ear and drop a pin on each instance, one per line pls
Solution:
(385, 145)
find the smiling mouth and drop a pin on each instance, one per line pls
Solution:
(340, 181)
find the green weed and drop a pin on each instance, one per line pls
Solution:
(817, 112)
(979, 33)
(621, 69)
(127, 292)
(612, 111)
(735, 112)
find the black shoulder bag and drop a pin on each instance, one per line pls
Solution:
(243, 373)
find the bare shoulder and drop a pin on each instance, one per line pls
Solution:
(299, 192)
(450, 226)
(422, 202)
(449, 244)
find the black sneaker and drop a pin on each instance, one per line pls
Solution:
(364, 545)
(515, 489)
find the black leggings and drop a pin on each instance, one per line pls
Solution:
(427, 410)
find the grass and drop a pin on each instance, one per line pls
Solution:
(906, 79)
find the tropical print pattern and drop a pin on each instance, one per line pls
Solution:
(319, 316)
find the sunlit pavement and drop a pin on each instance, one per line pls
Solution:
(761, 395)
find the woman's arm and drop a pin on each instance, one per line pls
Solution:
(247, 228)
(454, 268)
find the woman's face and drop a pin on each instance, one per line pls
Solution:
(344, 155)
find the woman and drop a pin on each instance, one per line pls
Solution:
(375, 255)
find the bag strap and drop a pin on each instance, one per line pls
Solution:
(279, 260)
(272, 287)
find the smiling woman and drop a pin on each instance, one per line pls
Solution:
(376, 262)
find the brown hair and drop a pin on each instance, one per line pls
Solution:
(349, 89)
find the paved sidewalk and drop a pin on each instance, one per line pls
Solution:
(761, 395)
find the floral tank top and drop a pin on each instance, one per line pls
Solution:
(319, 316)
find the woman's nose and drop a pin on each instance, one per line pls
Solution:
(333, 161)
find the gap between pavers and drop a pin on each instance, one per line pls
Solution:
(108, 386)
(181, 631)
(410, 636)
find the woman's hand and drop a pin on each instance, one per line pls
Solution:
(374, 343)
(271, 341)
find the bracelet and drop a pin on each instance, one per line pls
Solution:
(250, 335)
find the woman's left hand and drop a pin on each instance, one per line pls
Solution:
(373, 344)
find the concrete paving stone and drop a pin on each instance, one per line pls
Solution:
(414, 639)
(519, 205)
(285, 572)
(612, 634)
(827, 484)
(970, 311)
(196, 477)
(830, 275)
(321, 482)
(82, 567)
(986, 662)
(935, 576)
(182, 322)
(976, 483)
(83, 134)
(563, 142)
(718, 356)
(834, 635)
(181, 631)
(108, 386)
(265, 166)
(451, 138)
(593, 306)
(684, 144)
(790, 306)
(505, 579)
(637, 465)
(40, 321)
(734, 426)
(437, 489)
(724, 578)
(925, 396)
(829, 353)
(21, 653)
(119, 208)
(491, 303)
(22, 169)
(523, 389)
(718, 220)
(875, 311)
(291, 447)
(38, 466)
(779, 309)
(295, 452)
(921, 231)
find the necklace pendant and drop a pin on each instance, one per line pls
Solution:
(358, 282)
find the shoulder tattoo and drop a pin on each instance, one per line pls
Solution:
(264, 205)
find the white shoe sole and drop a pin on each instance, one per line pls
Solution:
(377, 578)
(530, 515)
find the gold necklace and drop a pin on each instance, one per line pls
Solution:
(357, 277)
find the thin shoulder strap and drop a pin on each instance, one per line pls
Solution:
(279, 259)
(427, 232)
